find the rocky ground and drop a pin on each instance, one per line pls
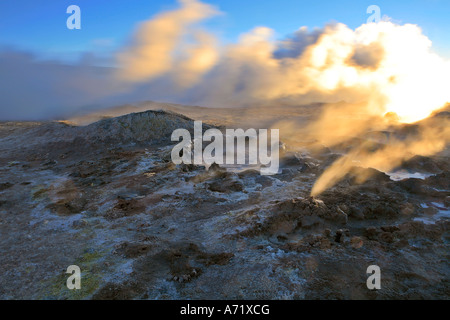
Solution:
(107, 197)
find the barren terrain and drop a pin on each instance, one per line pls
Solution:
(106, 197)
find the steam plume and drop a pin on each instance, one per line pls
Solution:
(378, 69)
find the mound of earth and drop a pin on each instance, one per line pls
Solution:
(40, 140)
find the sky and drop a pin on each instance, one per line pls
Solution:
(39, 26)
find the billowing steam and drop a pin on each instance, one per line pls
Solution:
(158, 41)
(385, 73)
(390, 66)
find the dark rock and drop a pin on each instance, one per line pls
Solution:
(356, 213)
(386, 237)
(292, 160)
(5, 185)
(215, 167)
(226, 183)
(50, 163)
(439, 181)
(360, 175)
(424, 164)
(251, 173)
(417, 186)
(187, 167)
(341, 234)
(371, 233)
(133, 250)
(390, 228)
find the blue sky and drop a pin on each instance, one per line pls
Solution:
(39, 26)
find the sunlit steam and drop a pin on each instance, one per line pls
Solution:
(157, 41)
(382, 72)
(433, 137)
